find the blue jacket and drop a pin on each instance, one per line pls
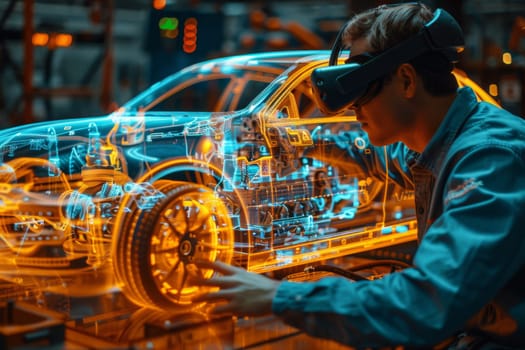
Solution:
(469, 269)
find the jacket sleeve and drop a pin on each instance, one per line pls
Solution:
(468, 254)
(353, 154)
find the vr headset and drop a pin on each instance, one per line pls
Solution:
(338, 86)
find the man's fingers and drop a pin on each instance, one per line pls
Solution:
(218, 266)
(219, 303)
(228, 280)
(216, 281)
(212, 296)
(221, 309)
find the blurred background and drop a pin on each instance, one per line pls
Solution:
(72, 58)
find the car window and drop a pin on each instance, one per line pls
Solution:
(251, 89)
(201, 96)
(214, 95)
(288, 108)
(303, 101)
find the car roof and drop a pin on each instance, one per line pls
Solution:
(275, 56)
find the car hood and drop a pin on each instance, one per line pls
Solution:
(118, 124)
(46, 139)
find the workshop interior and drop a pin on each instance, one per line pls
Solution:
(139, 135)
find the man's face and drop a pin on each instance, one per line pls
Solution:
(381, 116)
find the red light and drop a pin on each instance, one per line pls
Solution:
(191, 20)
(189, 48)
(190, 35)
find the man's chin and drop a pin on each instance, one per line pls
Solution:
(377, 141)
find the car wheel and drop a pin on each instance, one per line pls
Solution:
(189, 223)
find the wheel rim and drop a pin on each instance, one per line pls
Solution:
(192, 225)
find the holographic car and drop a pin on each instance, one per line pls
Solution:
(229, 159)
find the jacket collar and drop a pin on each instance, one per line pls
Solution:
(458, 113)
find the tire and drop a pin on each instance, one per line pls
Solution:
(159, 245)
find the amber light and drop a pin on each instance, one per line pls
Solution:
(52, 40)
(493, 90)
(63, 40)
(159, 4)
(40, 39)
(506, 58)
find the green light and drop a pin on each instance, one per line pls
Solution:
(168, 23)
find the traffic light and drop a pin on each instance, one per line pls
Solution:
(177, 38)
(189, 40)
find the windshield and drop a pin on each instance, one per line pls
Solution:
(220, 85)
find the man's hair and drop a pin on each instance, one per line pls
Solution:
(386, 26)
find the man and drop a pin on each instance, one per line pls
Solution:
(466, 163)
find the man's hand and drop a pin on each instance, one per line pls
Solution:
(240, 293)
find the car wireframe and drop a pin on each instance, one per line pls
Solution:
(229, 159)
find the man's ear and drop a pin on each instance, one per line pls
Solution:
(408, 77)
